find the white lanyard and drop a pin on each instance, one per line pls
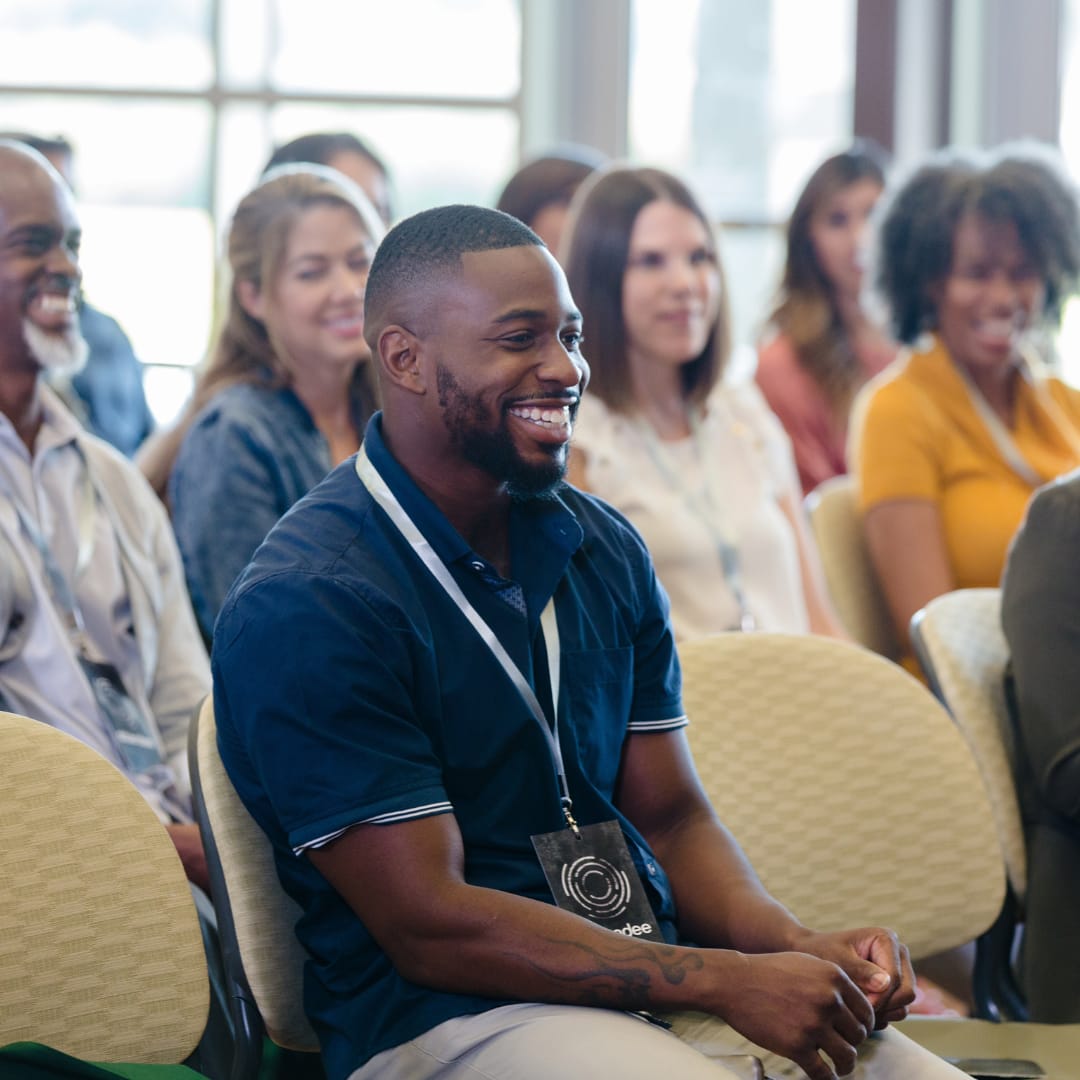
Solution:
(60, 589)
(1001, 435)
(381, 493)
(707, 509)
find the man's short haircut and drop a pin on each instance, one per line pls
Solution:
(431, 243)
(44, 145)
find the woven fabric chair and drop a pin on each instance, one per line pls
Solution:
(264, 961)
(263, 958)
(846, 783)
(100, 950)
(959, 643)
(962, 650)
(859, 802)
(849, 572)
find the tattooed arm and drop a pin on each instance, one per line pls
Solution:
(719, 898)
(406, 882)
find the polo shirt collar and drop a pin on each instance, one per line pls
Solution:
(544, 533)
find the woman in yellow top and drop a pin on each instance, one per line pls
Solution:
(948, 443)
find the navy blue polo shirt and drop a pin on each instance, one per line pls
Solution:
(349, 688)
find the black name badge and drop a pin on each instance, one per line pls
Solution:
(591, 874)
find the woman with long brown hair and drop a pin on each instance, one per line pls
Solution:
(822, 344)
(696, 461)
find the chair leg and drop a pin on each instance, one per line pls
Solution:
(996, 992)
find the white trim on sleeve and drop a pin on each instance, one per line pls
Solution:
(658, 725)
(390, 818)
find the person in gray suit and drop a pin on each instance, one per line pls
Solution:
(1041, 618)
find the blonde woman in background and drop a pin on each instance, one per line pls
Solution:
(288, 389)
(350, 156)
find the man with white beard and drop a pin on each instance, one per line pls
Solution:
(97, 637)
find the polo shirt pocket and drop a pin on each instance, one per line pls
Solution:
(597, 693)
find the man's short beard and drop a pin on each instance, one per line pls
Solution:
(59, 353)
(494, 451)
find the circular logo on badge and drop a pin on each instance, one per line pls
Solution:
(602, 890)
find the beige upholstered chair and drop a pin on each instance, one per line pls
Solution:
(849, 573)
(264, 961)
(846, 783)
(101, 955)
(263, 957)
(858, 801)
(960, 645)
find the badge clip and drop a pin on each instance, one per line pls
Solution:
(567, 809)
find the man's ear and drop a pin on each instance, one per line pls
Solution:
(251, 299)
(399, 352)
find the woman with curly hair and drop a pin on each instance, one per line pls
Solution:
(977, 258)
(823, 344)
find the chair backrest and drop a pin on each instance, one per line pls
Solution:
(100, 950)
(254, 912)
(959, 642)
(849, 573)
(847, 784)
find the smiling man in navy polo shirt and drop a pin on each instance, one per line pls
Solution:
(447, 689)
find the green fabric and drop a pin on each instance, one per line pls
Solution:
(33, 1061)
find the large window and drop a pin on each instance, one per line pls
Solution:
(743, 100)
(173, 109)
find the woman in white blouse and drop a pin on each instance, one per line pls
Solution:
(696, 462)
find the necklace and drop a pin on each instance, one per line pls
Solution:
(702, 502)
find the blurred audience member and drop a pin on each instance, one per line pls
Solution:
(341, 151)
(539, 193)
(1041, 617)
(976, 257)
(107, 394)
(697, 463)
(288, 388)
(347, 154)
(823, 344)
(97, 636)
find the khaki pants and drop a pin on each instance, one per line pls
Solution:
(568, 1042)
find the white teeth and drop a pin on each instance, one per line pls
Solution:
(52, 303)
(553, 417)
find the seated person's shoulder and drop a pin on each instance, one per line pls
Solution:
(118, 478)
(244, 406)
(240, 423)
(897, 389)
(897, 408)
(326, 541)
(607, 532)
(777, 363)
(1061, 498)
